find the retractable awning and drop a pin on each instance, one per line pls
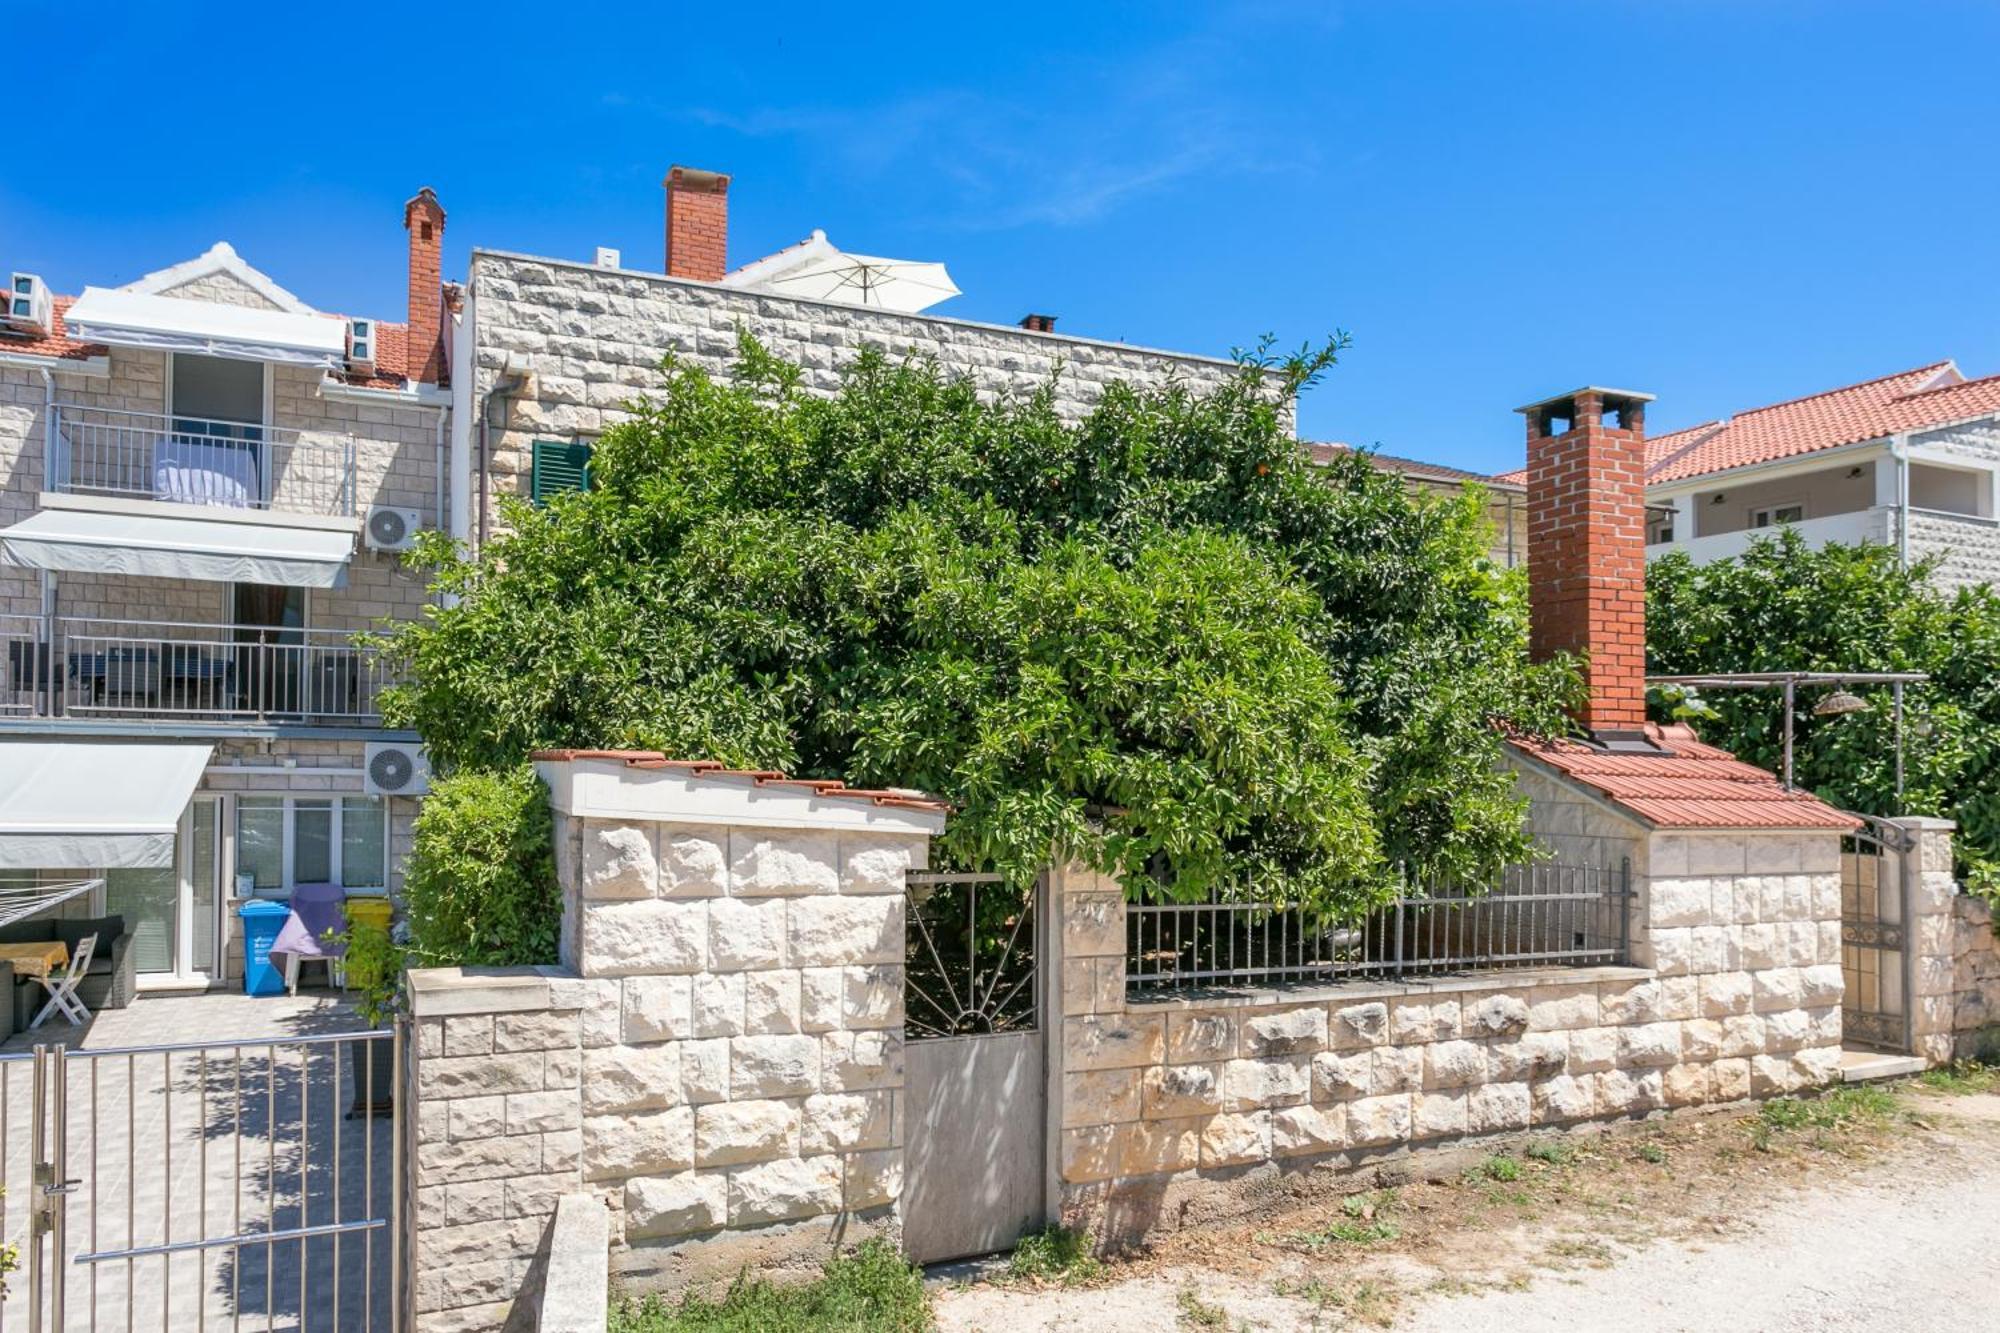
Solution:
(172, 324)
(69, 805)
(89, 542)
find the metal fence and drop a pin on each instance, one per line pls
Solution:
(1541, 915)
(198, 460)
(86, 667)
(211, 1186)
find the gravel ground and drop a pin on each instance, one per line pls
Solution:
(1904, 1241)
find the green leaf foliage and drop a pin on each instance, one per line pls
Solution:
(481, 885)
(1155, 639)
(1784, 606)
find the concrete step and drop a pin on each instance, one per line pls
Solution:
(1866, 1066)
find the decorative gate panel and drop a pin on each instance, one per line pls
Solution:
(1874, 938)
(975, 1067)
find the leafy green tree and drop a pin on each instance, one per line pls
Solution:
(1155, 639)
(1784, 606)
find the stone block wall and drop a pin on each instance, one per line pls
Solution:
(496, 1069)
(1733, 993)
(593, 337)
(728, 1013)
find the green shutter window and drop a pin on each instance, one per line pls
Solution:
(558, 466)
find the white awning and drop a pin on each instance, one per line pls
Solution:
(69, 805)
(173, 324)
(178, 548)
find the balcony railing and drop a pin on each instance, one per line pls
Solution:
(73, 667)
(199, 461)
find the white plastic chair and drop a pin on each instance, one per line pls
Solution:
(62, 986)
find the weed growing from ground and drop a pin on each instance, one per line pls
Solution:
(1652, 1152)
(872, 1290)
(1963, 1078)
(1551, 1152)
(1856, 1105)
(1197, 1313)
(1057, 1255)
(1501, 1167)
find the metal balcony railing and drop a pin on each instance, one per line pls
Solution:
(74, 667)
(199, 461)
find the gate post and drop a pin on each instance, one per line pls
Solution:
(1931, 940)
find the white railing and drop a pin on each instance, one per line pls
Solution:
(85, 668)
(199, 461)
(1848, 529)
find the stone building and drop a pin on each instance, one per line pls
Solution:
(205, 488)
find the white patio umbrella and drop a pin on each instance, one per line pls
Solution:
(904, 285)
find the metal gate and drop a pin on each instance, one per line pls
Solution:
(975, 1068)
(1875, 959)
(232, 1185)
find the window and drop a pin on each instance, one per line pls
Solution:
(285, 841)
(1770, 516)
(557, 466)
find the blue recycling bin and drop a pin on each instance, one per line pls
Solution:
(262, 921)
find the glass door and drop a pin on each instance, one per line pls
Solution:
(171, 911)
(270, 626)
(216, 454)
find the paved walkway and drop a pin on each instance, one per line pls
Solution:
(240, 1130)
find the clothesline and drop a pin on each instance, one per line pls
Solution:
(23, 901)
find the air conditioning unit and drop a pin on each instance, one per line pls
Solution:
(391, 529)
(28, 308)
(392, 768)
(361, 346)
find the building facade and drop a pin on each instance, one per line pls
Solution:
(207, 488)
(1910, 460)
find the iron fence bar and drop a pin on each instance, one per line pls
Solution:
(227, 1242)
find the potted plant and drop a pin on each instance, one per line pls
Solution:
(374, 963)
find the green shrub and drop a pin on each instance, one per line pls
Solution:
(481, 887)
(1501, 1167)
(873, 1290)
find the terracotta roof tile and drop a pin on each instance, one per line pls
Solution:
(1687, 785)
(58, 345)
(759, 777)
(1916, 399)
(1322, 452)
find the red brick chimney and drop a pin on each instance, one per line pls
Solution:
(697, 224)
(1587, 548)
(423, 218)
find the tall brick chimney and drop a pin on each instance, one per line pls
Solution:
(423, 218)
(1587, 549)
(697, 224)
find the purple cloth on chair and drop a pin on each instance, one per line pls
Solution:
(316, 909)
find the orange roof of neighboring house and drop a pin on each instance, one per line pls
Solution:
(58, 344)
(1327, 451)
(1686, 785)
(761, 777)
(1916, 399)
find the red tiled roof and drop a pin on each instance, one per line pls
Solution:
(58, 344)
(1326, 451)
(1686, 785)
(1909, 400)
(1916, 399)
(760, 777)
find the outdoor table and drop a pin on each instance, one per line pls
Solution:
(35, 958)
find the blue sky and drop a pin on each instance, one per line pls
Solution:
(1725, 204)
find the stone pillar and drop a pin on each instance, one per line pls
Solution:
(495, 1064)
(735, 948)
(1095, 1058)
(1935, 938)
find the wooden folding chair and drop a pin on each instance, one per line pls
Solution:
(62, 987)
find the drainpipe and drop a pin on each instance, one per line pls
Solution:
(47, 652)
(437, 464)
(463, 391)
(510, 382)
(1899, 449)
